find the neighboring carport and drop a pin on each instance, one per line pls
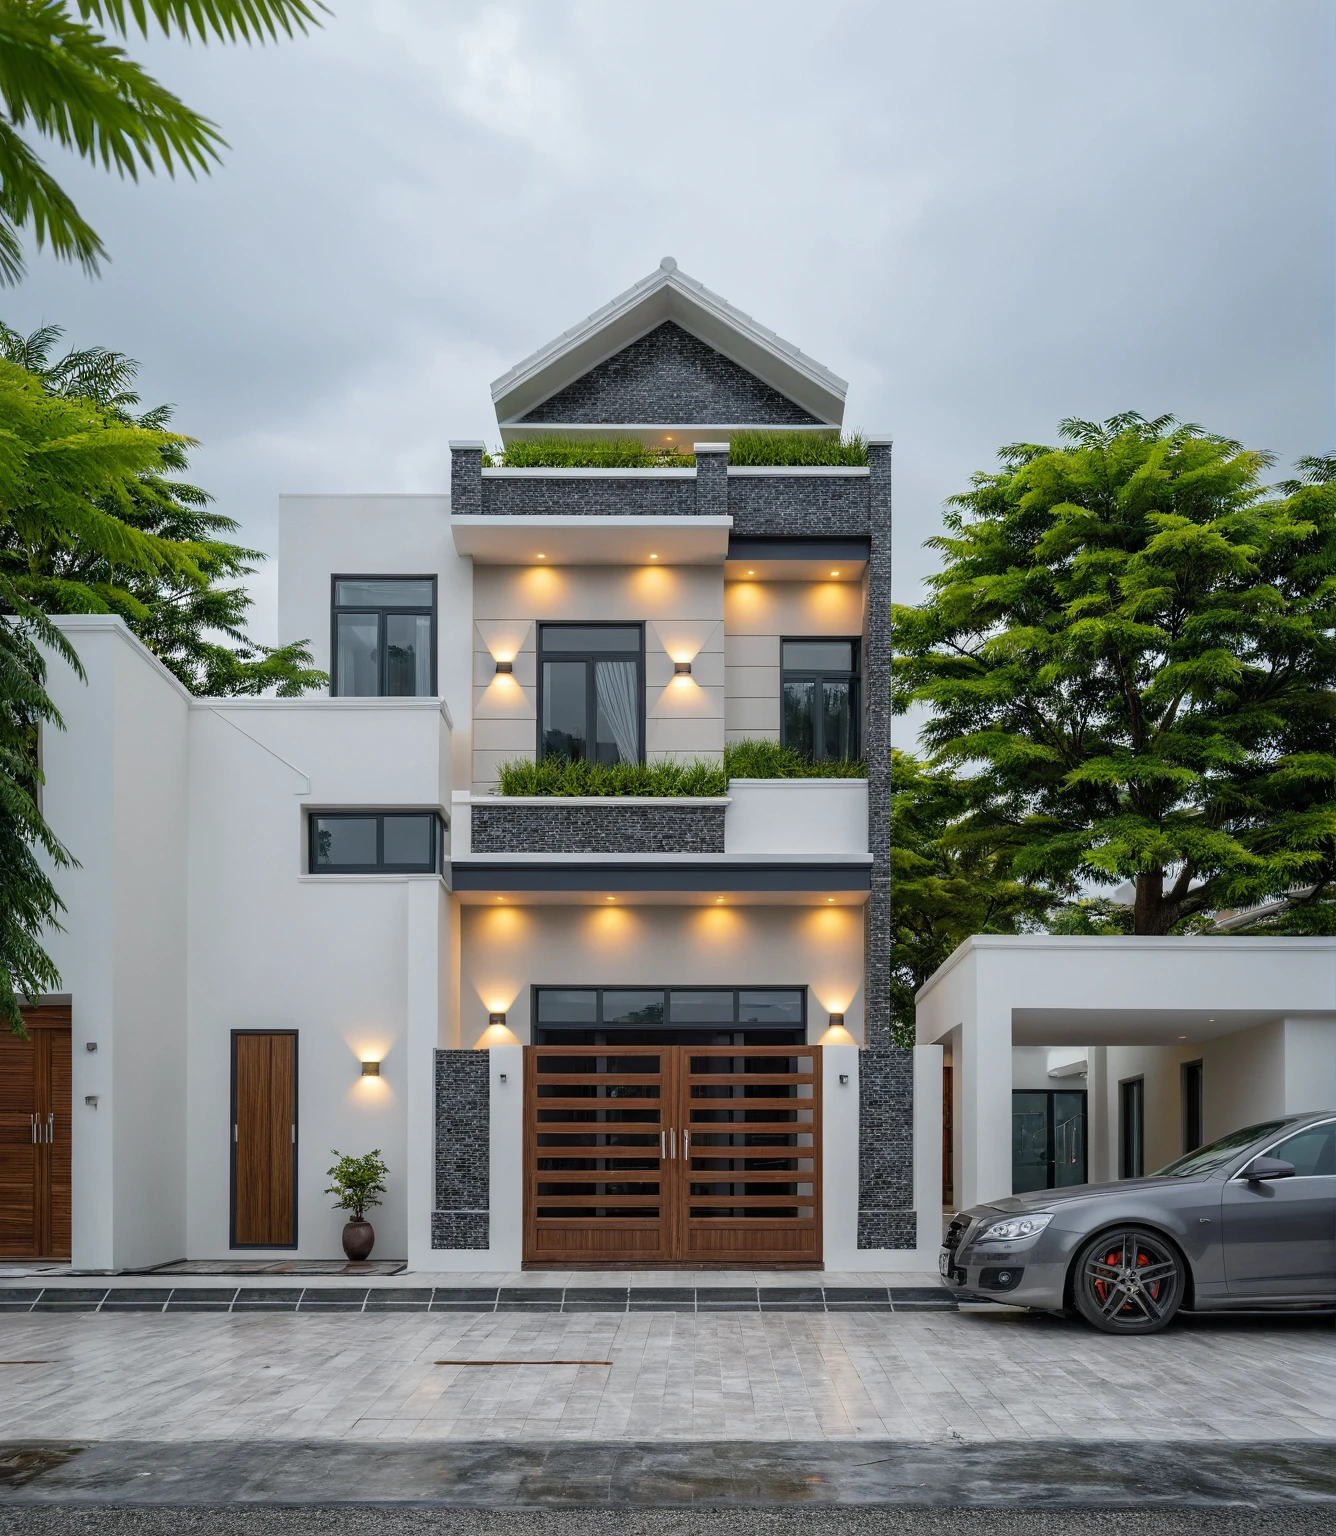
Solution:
(1258, 1014)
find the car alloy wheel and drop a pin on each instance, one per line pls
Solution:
(1128, 1281)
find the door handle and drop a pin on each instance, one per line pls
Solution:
(33, 1120)
(51, 1126)
(672, 1142)
(686, 1142)
(663, 1146)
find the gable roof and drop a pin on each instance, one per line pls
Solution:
(669, 294)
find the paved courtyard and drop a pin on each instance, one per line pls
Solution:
(973, 1376)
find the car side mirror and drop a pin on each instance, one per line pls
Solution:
(1268, 1168)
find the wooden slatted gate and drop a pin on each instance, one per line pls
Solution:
(642, 1155)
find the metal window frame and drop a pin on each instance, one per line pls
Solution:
(380, 867)
(1051, 1128)
(667, 1023)
(296, 1140)
(1124, 1085)
(591, 697)
(1191, 1073)
(382, 649)
(803, 674)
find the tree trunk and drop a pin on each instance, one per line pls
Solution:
(1151, 913)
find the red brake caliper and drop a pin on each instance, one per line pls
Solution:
(1101, 1286)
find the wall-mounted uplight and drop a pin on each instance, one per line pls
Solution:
(496, 1018)
(837, 1021)
(504, 668)
(370, 1069)
(681, 669)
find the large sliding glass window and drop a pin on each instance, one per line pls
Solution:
(591, 692)
(384, 640)
(819, 695)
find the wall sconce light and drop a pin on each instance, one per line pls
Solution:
(681, 669)
(844, 1079)
(91, 1100)
(496, 1018)
(837, 1021)
(504, 668)
(370, 1069)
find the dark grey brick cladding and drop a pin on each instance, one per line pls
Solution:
(598, 828)
(668, 495)
(669, 375)
(886, 1148)
(463, 1150)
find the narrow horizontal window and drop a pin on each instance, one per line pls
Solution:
(556, 1006)
(358, 843)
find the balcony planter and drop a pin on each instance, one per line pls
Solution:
(597, 824)
(792, 816)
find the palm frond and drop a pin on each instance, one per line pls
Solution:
(227, 20)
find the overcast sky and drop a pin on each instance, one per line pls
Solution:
(985, 214)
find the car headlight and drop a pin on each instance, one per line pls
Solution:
(1015, 1227)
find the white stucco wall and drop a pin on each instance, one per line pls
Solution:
(321, 536)
(506, 949)
(116, 795)
(826, 816)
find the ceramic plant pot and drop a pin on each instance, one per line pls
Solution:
(359, 1237)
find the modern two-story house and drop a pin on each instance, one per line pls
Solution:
(581, 1030)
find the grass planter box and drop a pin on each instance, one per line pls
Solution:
(597, 824)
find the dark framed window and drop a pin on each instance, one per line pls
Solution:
(591, 692)
(1048, 1139)
(670, 1015)
(375, 842)
(819, 698)
(383, 637)
(1132, 1128)
(1192, 1106)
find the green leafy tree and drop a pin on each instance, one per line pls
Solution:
(1133, 644)
(64, 76)
(193, 620)
(950, 877)
(63, 464)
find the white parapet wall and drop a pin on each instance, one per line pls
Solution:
(826, 816)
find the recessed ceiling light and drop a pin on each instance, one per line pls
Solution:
(830, 898)
(612, 898)
(542, 557)
(834, 573)
(751, 573)
(654, 557)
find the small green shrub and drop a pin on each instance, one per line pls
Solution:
(559, 776)
(577, 453)
(795, 448)
(756, 758)
(358, 1182)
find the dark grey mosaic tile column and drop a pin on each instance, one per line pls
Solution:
(465, 479)
(712, 480)
(877, 746)
(461, 1218)
(886, 1218)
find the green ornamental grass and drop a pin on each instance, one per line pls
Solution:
(745, 448)
(749, 759)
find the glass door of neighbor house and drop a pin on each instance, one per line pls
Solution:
(640, 1154)
(1048, 1139)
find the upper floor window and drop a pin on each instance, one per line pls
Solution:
(384, 636)
(819, 683)
(370, 842)
(591, 692)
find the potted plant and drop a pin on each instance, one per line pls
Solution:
(359, 1183)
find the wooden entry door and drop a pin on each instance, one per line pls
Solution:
(35, 1140)
(675, 1154)
(264, 1139)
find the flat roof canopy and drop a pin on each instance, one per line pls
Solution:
(666, 880)
(593, 540)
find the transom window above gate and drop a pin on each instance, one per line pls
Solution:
(671, 1007)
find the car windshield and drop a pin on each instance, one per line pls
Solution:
(1208, 1158)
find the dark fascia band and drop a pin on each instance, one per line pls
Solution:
(650, 877)
(742, 547)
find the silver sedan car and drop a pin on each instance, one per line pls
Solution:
(1247, 1222)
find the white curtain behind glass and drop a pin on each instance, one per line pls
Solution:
(615, 684)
